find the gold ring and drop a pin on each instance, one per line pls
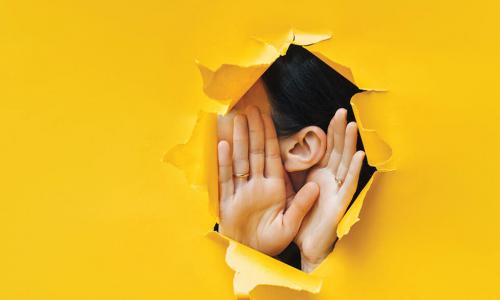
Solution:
(242, 175)
(339, 181)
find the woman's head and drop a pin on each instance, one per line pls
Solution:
(302, 93)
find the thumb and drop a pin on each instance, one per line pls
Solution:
(299, 207)
(290, 193)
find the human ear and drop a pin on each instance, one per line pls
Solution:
(303, 149)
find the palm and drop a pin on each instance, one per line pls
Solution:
(323, 217)
(257, 221)
(253, 210)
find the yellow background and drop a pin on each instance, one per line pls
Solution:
(92, 93)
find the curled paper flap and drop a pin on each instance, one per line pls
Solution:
(198, 158)
(352, 215)
(228, 82)
(253, 268)
(378, 152)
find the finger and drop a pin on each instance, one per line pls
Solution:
(256, 130)
(351, 181)
(351, 137)
(226, 186)
(225, 128)
(299, 207)
(240, 152)
(273, 165)
(329, 140)
(290, 192)
(339, 125)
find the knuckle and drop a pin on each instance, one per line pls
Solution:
(273, 155)
(224, 165)
(240, 156)
(239, 140)
(255, 130)
(257, 151)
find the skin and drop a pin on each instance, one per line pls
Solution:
(317, 234)
(254, 209)
(263, 210)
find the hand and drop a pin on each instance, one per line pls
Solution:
(253, 209)
(337, 176)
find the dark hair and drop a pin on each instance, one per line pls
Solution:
(305, 91)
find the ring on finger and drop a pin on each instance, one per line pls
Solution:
(245, 175)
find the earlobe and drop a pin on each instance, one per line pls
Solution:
(304, 149)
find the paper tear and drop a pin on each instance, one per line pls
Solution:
(216, 85)
(196, 159)
(351, 217)
(343, 70)
(378, 152)
(227, 84)
(253, 268)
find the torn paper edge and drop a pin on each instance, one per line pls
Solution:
(250, 265)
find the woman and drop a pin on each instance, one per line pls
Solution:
(290, 133)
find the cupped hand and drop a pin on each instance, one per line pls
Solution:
(253, 196)
(337, 176)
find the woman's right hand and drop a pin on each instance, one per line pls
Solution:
(252, 188)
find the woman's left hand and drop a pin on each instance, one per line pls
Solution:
(337, 177)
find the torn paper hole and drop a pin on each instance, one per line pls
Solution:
(227, 83)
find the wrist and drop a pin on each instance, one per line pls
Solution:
(310, 261)
(309, 265)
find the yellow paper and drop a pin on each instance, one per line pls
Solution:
(196, 158)
(228, 84)
(93, 93)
